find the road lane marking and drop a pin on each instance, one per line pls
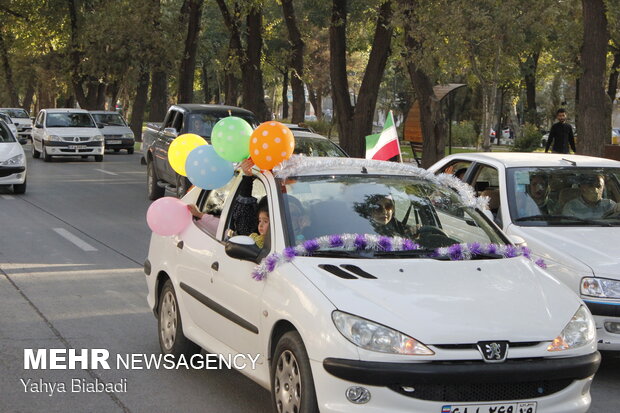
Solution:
(106, 172)
(8, 197)
(75, 240)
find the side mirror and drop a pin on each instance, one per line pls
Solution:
(517, 240)
(23, 141)
(38, 125)
(242, 248)
(170, 132)
(100, 125)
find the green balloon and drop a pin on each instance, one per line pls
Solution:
(230, 138)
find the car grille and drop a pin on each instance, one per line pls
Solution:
(482, 392)
(72, 138)
(113, 136)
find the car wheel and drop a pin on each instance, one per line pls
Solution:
(130, 151)
(170, 326)
(46, 156)
(35, 154)
(98, 158)
(292, 386)
(19, 188)
(183, 185)
(153, 190)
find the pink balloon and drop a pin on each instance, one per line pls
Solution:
(168, 216)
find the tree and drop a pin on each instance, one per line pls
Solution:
(297, 62)
(193, 11)
(594, 107)
(355, 121)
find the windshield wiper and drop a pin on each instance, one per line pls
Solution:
(556, 218)
(340, 254)
(419, 253)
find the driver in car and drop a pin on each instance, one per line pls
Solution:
(590, 204)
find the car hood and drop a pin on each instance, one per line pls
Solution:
(19, 121)
(9, 150)
(74, 131)
(115, 130)
(451, 302)
(594, 247)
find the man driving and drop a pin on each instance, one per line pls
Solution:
(590, 204)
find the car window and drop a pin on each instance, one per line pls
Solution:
(170, 119)
(486, 183)
(178, 122)
(242, 216)
(6, 136)
(311, 146)
(457, 168)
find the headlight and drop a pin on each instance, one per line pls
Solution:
(579, 331)
(53, 138)
(17, 160)
(376, 337)
(127, 136)
(600, 287)
(98, 138)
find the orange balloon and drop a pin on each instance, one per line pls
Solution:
(271, 143)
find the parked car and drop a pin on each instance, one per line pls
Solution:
(579, 245)
(7, 119)
(66, 132)
(115, 130)
(12, 160)
(21, 119)
(299, 127)
(180, 119)
(356, 322)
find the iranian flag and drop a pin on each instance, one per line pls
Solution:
(383, 146)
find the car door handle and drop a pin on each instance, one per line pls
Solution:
(215, 266)
(180, 245)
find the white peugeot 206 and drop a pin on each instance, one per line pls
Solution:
(12, 160)
(380, 288)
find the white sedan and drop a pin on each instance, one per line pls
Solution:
(379, 289)
(567, 209)
(12, 161)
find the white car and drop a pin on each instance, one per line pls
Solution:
(66, 132)
(544, 198)
(117, 133)
(21, 119)
(12, 161)
(346, 315)
(7, 119)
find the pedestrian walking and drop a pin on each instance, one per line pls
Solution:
(561, 135)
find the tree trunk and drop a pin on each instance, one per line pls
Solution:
(297, 62)
(159, 96)
(528, 71)
(206, 93)
(235, 52)
(8, 73)
(285, 95)
(594, 110)
(252, 74)
(354, 123)
(612, 85)
(139, 105)
(188, 61)
(27, 103)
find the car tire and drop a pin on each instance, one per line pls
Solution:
(19, 188)
(130, 151)
(98, 158)
(46, 156)
(292, 386)
(183, 185)
(35, 154)
(153, 190)
(170, 325)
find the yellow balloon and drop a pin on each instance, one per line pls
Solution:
(180, 148)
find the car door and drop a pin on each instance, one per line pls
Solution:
(489, 181)
(222, 299)
(167, 139)
(37, 131)
(161, 144)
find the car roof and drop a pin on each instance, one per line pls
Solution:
(199, 107)
(296, 127)
(523, 159)
(65, 110)
(104, 112)
(307, 134)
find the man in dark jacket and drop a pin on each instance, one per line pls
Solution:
(561, 135)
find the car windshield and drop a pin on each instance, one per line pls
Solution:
(391, 206)
(202, 123)
(6, 118)
(109, 119)
(16, 113)
(69, 120)
(6, 136)
(311, 146)
(565, 196)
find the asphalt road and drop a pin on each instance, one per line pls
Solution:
(71, 254)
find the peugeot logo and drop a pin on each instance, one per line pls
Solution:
(493, 351)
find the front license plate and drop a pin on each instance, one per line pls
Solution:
(114, 142)
(77, 146)
(524, 407)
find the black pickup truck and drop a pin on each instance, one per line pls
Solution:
(180, 119)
